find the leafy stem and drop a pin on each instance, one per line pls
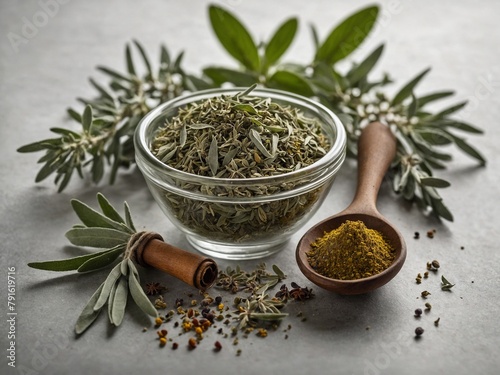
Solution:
(112, 232)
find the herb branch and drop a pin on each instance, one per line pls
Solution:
(110, 231)
(109, 120)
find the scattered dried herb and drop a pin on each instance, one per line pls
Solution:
(418, 313)
(445, 284)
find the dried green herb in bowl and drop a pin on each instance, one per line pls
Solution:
(239, 171)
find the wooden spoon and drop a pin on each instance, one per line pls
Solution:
(376, 150)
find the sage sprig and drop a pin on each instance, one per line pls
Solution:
(108, 230)
(109, 120)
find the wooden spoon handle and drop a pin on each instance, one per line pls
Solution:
(376, 151)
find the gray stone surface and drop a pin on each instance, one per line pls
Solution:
(39, 79)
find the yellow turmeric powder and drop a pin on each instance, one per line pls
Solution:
(352, 251)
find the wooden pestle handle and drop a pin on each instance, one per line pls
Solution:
(376, 151)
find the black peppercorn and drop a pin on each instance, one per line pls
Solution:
(218, 300)
(419, 331)
(418, 312)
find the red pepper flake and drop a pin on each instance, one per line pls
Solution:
(217, 346)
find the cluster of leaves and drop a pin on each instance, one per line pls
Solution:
(108, 230)
(352, 94)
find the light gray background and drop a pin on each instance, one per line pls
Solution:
(459, 40)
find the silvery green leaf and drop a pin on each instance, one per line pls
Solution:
(119, 301)
(257, 141)
(200, 126)
(230, 155)
(114, 74)
(280, 41)
(124, 267)
(407, 90)
(443, 211)
(140, 297)
(101, 90)
(268, 316)
(92, 218)
(103, 260)
(128, 217)
(412, 108)
(423, 100)
(360, 71)
(345, 37)
(246, 108)
(220, 75)
(66, 264)
(183, 136)
(445, 284)
(213, 156)
(133, 269)
(87, 118)
(274, 144)
(97, 168)
(434, 182)
(278, 272)
(130, 62)
(468, 149)
(110, 302)
(144, 57)
(234, 37)
(108, 210)
(291, 81)
(89, 314)
(112, 278)
(450, 110)
(97, 237)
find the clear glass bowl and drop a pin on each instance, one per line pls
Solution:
(223, 224)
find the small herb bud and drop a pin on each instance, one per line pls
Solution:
(428, 306)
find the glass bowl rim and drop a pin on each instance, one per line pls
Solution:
(334, 156)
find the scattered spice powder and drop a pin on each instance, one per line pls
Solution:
(351, 252)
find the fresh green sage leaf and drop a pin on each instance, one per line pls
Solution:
(114, 74)
(290, 81)
(103, 260)
(407, 90)
(111, 280)
(222, 75)
(434, 182)
(130, 62)
(93, 219)
(234, 37)
(423, 100)
(412, 108)
(110, 302)
(87, 118)
(88, 315)
(97, 237)
(361, 71)
(69, 264)
(278, 272)
(145, 58)
(140, 297)
(280, 41)
(128, 217)
(119, 301)
(439, 207)
(108, 210)
(347, 36)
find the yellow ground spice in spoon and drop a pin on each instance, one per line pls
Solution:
(352, 251)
